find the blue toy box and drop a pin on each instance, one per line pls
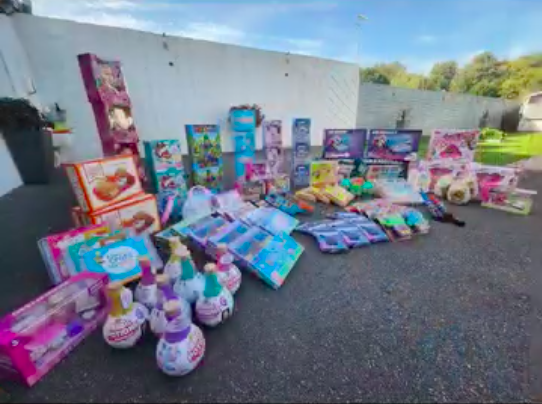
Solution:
(242, 120)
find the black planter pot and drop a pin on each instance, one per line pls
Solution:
(33, 154)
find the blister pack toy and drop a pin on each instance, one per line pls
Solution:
(272, 220)
(288, 205)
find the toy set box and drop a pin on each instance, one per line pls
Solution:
(242, 120)
(34, 338)
(100, 183)
(272, 141)
(453, 144)
(206, 155)
(272, 220)
(400, 144)
(344, 143)
(165, 165)
(244, 144)
(301, 147)
(518, 200)
(323, 173)
(53, 248)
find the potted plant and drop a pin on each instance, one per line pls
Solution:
(25, 131)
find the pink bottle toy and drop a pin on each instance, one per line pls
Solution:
(215, 305)
(228, 273)
(158, 319)
(146, 291)
(182, 346)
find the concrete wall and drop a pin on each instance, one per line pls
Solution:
(380, 105)
(177, 81)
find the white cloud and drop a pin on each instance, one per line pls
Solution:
(427, 39)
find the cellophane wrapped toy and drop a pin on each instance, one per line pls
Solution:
(34, 338)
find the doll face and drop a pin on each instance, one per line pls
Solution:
(120, 118)
(108, 76)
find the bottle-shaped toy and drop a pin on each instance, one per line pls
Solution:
(228, 273)
(215, 305)
(125, 323)
(165, 293)
(146, 291)
(173, 266)
(189, 285)
(182, 346)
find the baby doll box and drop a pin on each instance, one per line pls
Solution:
(34, 338)
(100, 183)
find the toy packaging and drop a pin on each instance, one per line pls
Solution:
(252, 190)
(323, 173)
(226, 235)
(100, 183)
(383, 171)
(344, 143)
(493, 177)
(244, 149)
(338, 195)
(274, 153)
(270, 257)
(397, 191)
(199, 202)
(301, 146)
(242, 120)
(34, 338)
(288, 205)
(120, 260)
(400, 144)
(279, 184)
(206, 154)
(272, 220)
(53, 248)
(518, 200)
(139, 213)
(163, 154)
(453, 145)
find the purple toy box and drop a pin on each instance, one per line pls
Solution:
(344, 143)
(34, 338)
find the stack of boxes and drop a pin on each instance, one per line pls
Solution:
(301, 146)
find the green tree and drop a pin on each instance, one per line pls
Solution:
(373, 75)
(442, 74)
(391, 70)
(483, 75)
(524, 76)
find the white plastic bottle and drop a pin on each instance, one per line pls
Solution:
(189, 285)
(146, 290)
(158, 319)
(228, 273)
(215, 305)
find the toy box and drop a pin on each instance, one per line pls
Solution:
(103, 182)
(163, 154)
(279, 184)
(206, 154)
(170, 179)
(139, 213)
(338, 195)
(323, 173)
(36, 337)
(227, 235)
(453, 144)
(244, 144)
(344, 143)
(398, 191)
(400, 144)
(270, 257)
(518, 200)
(242, 120)
(272, 142)
(53, 248)
(301, 147)
(495, 177)
(272, 220)
(119, 260)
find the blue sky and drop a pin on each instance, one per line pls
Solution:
(415, 32)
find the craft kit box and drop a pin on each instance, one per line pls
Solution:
(394, 144)
(344, 143)
(34, 338)
(53, 248)
(100, 183)
(165, 165)
(139, 214)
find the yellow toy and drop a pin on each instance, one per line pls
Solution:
(323, 173)
(338, 195)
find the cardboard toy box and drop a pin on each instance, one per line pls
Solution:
(139, 213)
(165, 164)
(100, 183)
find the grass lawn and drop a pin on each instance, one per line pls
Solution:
(517, 146)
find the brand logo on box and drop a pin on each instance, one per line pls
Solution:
(120, 260)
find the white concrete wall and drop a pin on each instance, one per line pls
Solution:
(380, 105)
(206, 79)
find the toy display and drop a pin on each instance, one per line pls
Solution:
(397, 144)
(338, 195)
(323, 173)
(272, 220)
(301, 148)
(242, 120)
(458, 145)
(206, 154)
(37, 336)
(518, 200)
(271, 258)
(120, 259)
(53, 249)
(397, 191)
(139, 213)
(228, 273)
(274, 153)
(146, 291)
(215, 305)
(289, 206)
(243, 124)
(189, 285)
(100, 183)
(344, 143)
(126, 321)
(181, 348)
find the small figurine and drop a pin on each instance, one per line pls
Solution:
(158, 319)
(182, 346)
(215, 305)
(146, 290)
(173, 266)
(126, 320)
(190, 283)
(228, 273)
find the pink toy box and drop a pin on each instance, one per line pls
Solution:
(34, 338)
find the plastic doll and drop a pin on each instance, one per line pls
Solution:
(182, 346)
(215, 305)
(228, 273)
(126, 320)
(173, 266)
(190, 283)
(146, 290)
(158, 319)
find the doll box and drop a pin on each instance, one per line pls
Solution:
(100, 183)
(344, 143)
(227, 235)
(139, 213)
(36, 337)
(163, 154)
(519, 201)
(272, 220)
(242, 120)
(53, 248)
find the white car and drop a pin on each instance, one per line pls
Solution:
(531, 113)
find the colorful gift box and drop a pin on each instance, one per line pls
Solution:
(53, 248)
(453, 145)
(301, 147)
(242, 120)
(244, 144)
(323, 173)
(206, 155)
(344, 143)
(272, 220)
(100, 183)
(394, 144)
(272, 143)
(165, 165)
(36, 337)
(518, 200)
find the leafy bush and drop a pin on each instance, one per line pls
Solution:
(492, 133)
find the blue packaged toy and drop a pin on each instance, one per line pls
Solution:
(226, 235)
(272, 220)
(242, 120)
(330, 240)
(244, 144)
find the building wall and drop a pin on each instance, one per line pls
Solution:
(176, 81)
(380, 106)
